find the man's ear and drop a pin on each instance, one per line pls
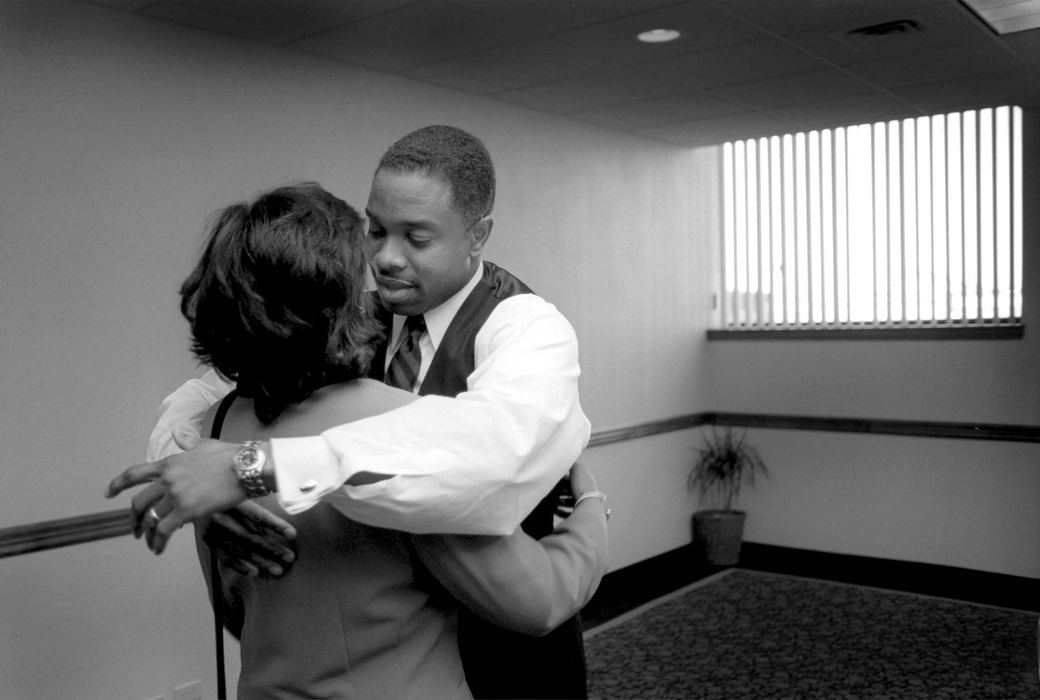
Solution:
(479, 233)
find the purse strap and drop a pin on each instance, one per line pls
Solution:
(214, 566)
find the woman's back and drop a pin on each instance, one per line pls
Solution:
(349, 618)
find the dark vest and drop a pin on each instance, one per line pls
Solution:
(498, 663)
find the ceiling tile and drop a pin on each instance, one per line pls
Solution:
(938, 25)
(542, 17)
(733, 64)
(702, 28)
(845, 111)
(411, 36)
(131, 5)
(788, 90)
(1015, 87)
(787, 16)
(931, 66)
(269, 21)
(532, 62)
(662, 110)
(587, 92)
(715, 131)
(1025, 45)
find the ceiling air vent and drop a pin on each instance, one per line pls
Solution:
(882, 36)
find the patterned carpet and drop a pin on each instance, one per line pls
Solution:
(750, 635)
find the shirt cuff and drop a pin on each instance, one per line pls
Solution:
(305, 469)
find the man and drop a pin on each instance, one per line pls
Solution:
(478, 463)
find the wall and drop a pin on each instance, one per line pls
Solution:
(119, 136)
(951, 502)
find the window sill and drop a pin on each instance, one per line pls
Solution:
(914, 332)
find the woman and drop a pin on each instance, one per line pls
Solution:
(277, 303)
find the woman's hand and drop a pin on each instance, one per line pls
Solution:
(582, 480)
(181, 488)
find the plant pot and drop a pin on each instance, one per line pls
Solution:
(717, 535)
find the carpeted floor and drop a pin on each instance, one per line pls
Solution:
(750, 635)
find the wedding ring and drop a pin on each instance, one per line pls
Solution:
(153, 514)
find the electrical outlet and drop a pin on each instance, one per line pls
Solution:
(188, 691)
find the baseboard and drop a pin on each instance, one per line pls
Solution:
(953, 582)
(632, 586)
(627, 588)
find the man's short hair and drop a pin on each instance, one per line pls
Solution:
(457, 156)
(277, 300)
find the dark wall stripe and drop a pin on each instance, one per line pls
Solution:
(50, 534)
(881, 426)
(875, 426)
(605, 437)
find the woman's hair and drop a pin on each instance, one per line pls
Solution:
(277, 301)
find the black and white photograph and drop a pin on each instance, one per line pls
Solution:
(528, 349)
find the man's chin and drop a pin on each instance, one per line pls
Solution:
(400, 301)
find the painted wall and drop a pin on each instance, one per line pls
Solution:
(951, 502)
(119, 136)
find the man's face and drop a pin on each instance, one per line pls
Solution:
(420, 248)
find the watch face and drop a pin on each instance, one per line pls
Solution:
(248, 457)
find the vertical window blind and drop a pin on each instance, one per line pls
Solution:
(899, 224)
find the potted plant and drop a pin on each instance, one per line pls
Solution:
(724, 464)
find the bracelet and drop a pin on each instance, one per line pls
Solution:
(599, 495)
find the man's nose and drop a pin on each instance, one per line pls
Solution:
(387, 254)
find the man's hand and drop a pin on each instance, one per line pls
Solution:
(251, 540)
(181, 488)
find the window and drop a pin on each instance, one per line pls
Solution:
(903, 224)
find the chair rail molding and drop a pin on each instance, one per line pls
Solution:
(51, 534)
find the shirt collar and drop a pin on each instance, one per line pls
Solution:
(438, 319)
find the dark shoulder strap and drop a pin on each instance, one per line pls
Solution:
(218, 420)
(214, 565)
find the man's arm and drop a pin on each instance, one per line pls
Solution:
(249, 538)
(474, 464)
(519, 583)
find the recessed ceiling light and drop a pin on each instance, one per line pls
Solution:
(658, 36)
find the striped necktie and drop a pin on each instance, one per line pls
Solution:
(404, 365)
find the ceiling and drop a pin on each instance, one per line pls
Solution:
(742, 68)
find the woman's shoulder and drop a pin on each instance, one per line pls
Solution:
(359, 399)
(337, 404)
(328, 407)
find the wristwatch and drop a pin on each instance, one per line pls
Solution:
(248, 464)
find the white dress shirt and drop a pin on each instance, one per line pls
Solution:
(474, 464)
